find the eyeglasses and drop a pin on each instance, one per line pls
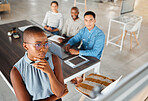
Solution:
(38, 46)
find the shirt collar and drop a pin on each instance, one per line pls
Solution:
(92, 29)
(75, 20)
(26, 58)
(54, 13)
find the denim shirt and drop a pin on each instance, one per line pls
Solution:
(92, 42)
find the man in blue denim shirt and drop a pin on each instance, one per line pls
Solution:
(91, 36)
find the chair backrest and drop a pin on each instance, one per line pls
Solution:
(102, 54)
(136, 26)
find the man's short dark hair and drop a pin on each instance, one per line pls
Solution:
(54, 2)
(90, 13)
(31, 30)
(75, 8)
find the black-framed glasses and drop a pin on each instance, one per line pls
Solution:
(38, 46)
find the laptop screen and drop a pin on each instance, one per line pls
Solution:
(58, 50)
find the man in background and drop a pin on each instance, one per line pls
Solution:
(92, 40)
(72, 25)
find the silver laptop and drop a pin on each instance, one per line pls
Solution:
(59, 51)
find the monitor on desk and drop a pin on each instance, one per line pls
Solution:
(127, 6)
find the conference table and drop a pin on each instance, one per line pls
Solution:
(11, 50)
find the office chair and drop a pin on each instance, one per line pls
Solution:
(132, 29)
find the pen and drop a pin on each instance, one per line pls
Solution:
(46, 58)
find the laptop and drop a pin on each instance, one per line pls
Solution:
(59, 51)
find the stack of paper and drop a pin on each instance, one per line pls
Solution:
(24, 27)
(55, 38)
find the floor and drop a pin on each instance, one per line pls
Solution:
(114, 63)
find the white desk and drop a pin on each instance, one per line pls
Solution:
(123, 20)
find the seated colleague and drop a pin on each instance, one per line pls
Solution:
(72, 25)
(91, 36)
(53, 21)
(42, 80)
